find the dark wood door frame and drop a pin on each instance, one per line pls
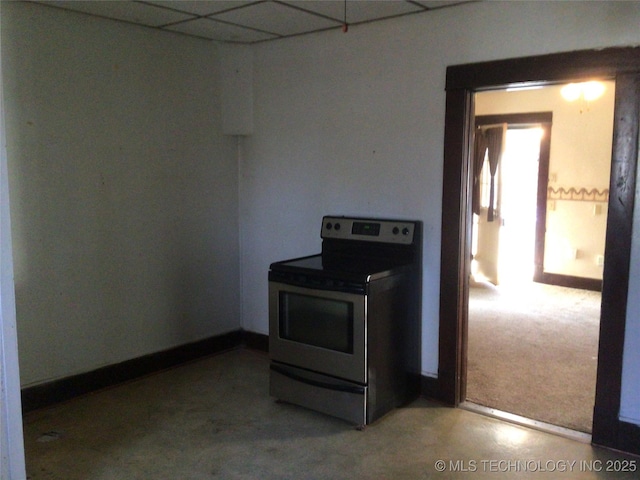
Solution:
(620, 64)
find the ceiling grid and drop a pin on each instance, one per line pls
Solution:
(250, 21)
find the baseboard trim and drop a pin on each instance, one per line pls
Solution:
(256, 341)
(570, 281)
(629, 438)
(431, 389)
(44, 395)
(611, 432)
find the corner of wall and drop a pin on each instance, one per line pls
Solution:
(236, 71)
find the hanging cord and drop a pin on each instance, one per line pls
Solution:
(345, 25)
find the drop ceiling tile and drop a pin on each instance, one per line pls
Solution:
(207, 28)
(202, 7)
(276, 18)
(357, 11)
(264, 19)
(440, 3)
(134, 12)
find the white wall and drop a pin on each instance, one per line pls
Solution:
(629, 403)
(353, 124)
(125, 196)
(12, 463)
(123, 191)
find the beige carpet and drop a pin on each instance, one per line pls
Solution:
(532, 351)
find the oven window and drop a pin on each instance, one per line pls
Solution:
(317, 321)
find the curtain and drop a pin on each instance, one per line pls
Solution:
(479, 152)
(494, 139)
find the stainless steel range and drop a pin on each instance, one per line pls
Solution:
(344, 325)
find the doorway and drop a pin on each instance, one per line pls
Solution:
(505, 249)
(519, 173)
(621, 64)
(519, 329)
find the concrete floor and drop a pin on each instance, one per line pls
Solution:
(214, 419)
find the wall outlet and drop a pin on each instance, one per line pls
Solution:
(600, 260)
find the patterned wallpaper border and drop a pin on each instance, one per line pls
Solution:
(578, 194)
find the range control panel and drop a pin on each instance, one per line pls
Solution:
(370, 230)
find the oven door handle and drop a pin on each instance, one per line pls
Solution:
(331, 386)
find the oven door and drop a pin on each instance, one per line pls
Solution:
(319, 330)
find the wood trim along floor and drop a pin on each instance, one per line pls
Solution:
(593, 284)
(46, 394)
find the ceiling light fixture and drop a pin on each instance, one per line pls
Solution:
(588, 91)
(585, 92)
